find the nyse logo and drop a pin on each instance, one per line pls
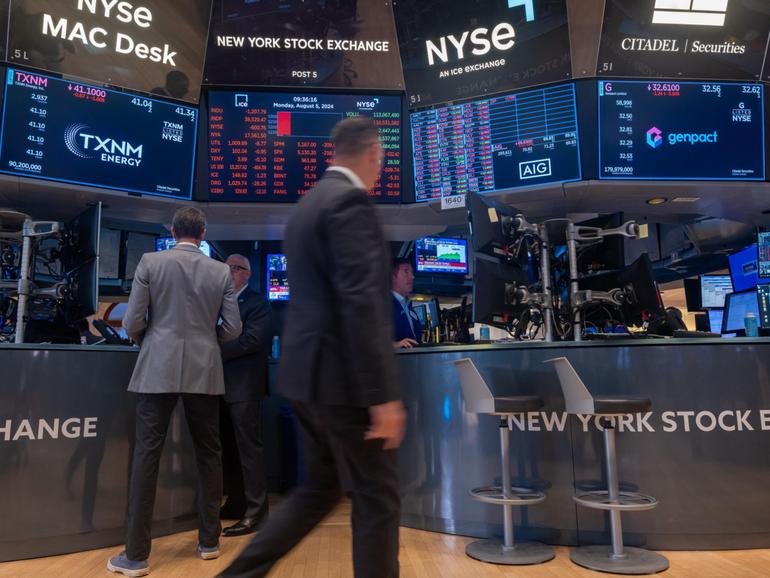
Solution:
(690, 12)
(654, 137)
(82, 143)
(482, 40)
(535, 169)
(368, 104)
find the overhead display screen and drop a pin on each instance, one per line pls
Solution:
(681, 131)
(153, 46)
(275, 146)
(719, 39)
(277, 278)
(75, 133)
(453, 50)
(521, 139)
(308, 43)
(441, 255)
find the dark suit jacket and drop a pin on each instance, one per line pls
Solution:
(245, 359)
(337, 343)
(401, 327)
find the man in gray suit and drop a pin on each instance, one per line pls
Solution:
(182, 305)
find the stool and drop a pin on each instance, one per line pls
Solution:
(479, 399)
(616, 558)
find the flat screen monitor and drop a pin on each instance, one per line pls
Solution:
(65, 131)
(692, 294)
(737, 305)
(493, 285)
(490, 223)
(80, 238)
(743, 268)
(441, 255)
(273, 147)
(515, 140)
(277, 278)
(763, 296)
(715, 320)
(681, 131)
(714, 289)
(165, 243)
(763, 254)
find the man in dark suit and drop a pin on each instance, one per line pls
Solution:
(177, 300)
(338, 367)
(407, 329)
(245, 366)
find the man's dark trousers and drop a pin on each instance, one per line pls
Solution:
(337, 459)
(153, 414)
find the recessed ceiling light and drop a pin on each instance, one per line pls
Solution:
(685, 199)
(656, 201)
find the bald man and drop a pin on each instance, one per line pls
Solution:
(245, 368)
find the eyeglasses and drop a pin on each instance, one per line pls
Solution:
(238, 268)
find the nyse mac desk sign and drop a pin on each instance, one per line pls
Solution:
(76, 133)
(681, 130)
(454, 50)
(309, 43)
(153, 46)
(720, 39)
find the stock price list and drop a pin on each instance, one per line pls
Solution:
(515, 140)
(274, 147)
(681, 130)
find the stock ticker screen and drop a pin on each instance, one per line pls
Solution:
(681, 131)
(272, 147)
(516, 140)
(76, 133)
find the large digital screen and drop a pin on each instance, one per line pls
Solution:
(714, 289)
(153, 46)
(267, 146)
(166, 243)
(309, 43)
(681, 131)
(516, 140)
(441, 255)
(719, 39)
(277, 278)
(763, 252)
(454, 49)
(75, 133)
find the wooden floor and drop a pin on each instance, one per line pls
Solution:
(326, 554)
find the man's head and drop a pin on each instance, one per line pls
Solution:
(402, 277)
(357, 146)
(189, 225)
(240, 270)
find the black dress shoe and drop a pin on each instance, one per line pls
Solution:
(243, 527)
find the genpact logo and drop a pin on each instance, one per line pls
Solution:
(654, 137)
(82, 143)
(690, 12)
(501, 37)
(693, 138)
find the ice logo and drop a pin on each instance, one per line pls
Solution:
(529, 7)
(654, 137)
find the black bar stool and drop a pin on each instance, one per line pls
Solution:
(617, 558)
(479, 399)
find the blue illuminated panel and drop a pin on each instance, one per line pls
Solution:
(75, 133)
(681, 131)
(516, 140)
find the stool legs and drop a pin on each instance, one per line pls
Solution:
(505, 459)
(613, 489)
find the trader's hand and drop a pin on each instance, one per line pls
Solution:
(387, 423)
(405, 343)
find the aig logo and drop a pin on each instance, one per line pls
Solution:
(535, 169)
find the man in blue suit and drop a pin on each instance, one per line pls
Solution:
(407, 329)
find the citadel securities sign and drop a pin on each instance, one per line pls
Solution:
(309, 43)
(453, 50)
(720, 39)
(152, 46)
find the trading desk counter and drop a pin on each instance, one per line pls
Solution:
(66, 426)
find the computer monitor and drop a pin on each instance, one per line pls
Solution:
(743, 268)
(714, 289)
(692, 296)
(610, 253)
(715, 320)
(441, 255)
(82, 296)
(493, 285)
(737, 305)
(763, 297)
(277, 278)
(763, 254)
(165, 243)
(490, 224)
(80, 238)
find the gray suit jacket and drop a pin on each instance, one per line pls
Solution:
(176, 300)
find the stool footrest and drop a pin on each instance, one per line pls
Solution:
(628, 501)
(518, 497)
